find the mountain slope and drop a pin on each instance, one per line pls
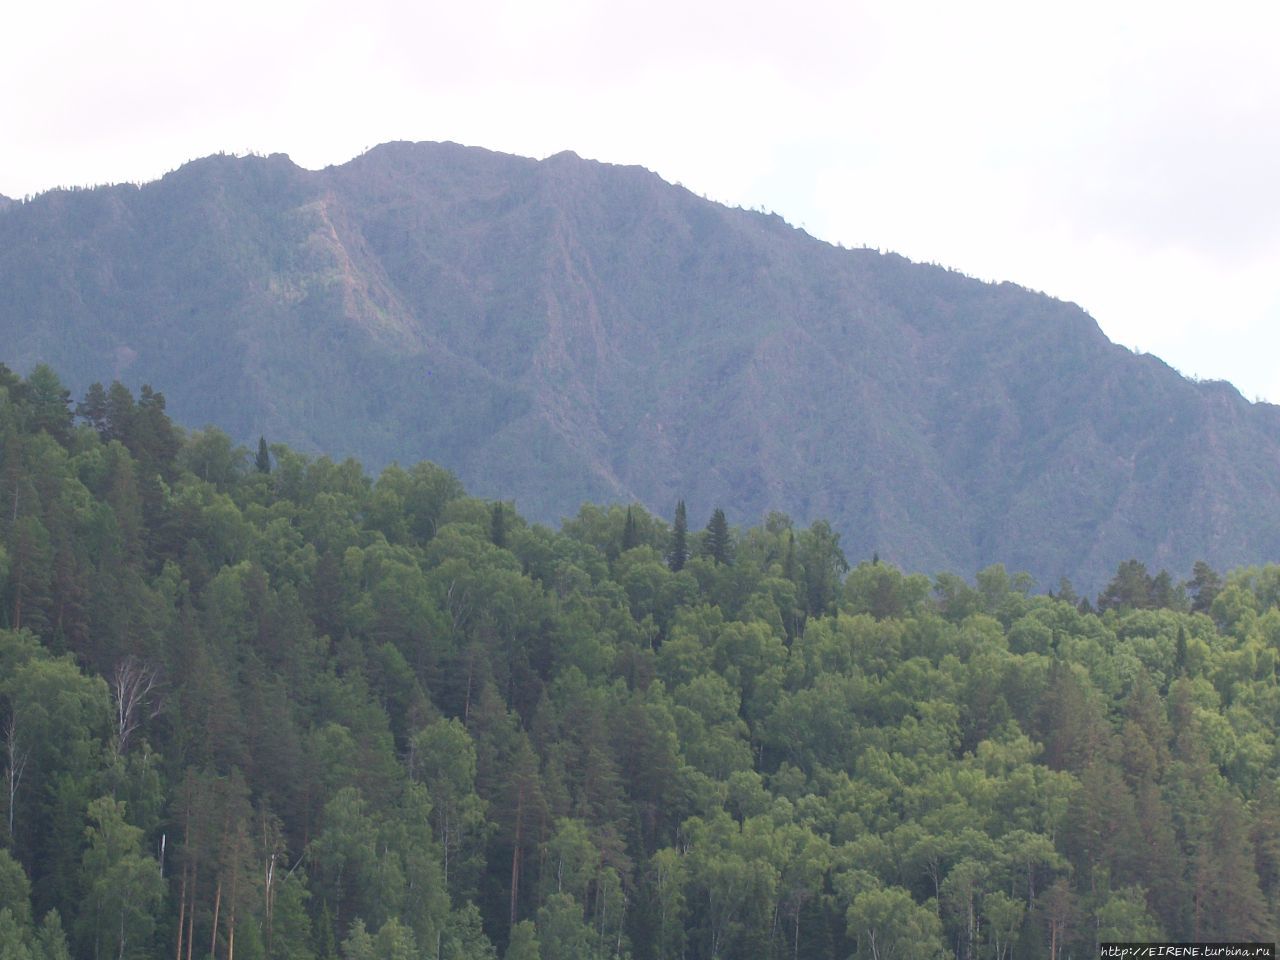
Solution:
(568, 330)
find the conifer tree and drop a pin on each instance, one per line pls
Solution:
(789, 569)
(263, 460)
(717, 543)
(679, 552)
(498, 526)
(630, 536)
(93, 409)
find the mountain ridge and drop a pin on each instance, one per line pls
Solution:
(567, 330)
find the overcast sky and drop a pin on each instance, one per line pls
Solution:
(1120, 155)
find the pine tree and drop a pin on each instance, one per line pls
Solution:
(1204, 586)
(263, 460)
(678, 555)
(93, 409)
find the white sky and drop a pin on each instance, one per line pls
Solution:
(1121, 155)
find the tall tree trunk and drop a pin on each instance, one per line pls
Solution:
(217, 906)
(182, 909)
(191, 912)
(515, 851)
(17, 763)
(231, 914)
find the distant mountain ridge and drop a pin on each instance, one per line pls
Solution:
(565, 330)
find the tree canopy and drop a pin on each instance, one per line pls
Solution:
(305, 713)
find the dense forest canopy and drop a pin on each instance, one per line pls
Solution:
(267, 706)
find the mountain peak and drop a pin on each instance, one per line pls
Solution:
(570, 330)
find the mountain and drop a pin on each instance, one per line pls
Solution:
(567, 330)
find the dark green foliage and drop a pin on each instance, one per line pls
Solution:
(262, 462)
(717, 542)
(498, 525)
(93, 408)
(824, 567)
(630, 536)
(48, 403)
(1203, 587)
(353, 722)
(1130, 589)
(678, 552)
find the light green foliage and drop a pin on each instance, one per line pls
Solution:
(463, 937)
(289, 935)
(211, 456)
(562, 934)
(51, 941)
(1123, 917)
(523, 944)
(394, 941)
(15, 937)
(123, 885)
(443, 757)
(888, 925)
(379, 735)
(15, 889)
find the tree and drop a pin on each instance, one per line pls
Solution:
(123, 886)
(120, 413)
(498, 525)
(630, 537)
(263, 460)
(1059, 913)
(888, 925)
(1204, 586)
(133, 688)
(30, 573)
(1003, 915)
(51, 941)
(15, 937)
(1130, 589)
(15, 891)
(463, 937)
(93, 408)
(50, 403)
(678, 554)
(443, 756)
(717, 542)
(824, 565)
(524, 942)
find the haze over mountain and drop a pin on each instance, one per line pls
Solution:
(566, 330)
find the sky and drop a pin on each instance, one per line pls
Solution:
(1123, 156)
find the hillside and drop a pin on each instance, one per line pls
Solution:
(564, 330)
(278, 709)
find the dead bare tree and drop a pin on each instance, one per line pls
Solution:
(133, 686)
(17, 763)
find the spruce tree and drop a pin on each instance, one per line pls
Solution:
(789, 569)
(679, 552)
(716, 542)
(263, 460)
(630, 537)
(498, 526)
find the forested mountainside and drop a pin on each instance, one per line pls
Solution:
(268, 706)
(564, 330)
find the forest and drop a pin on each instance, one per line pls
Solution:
(262, 705)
